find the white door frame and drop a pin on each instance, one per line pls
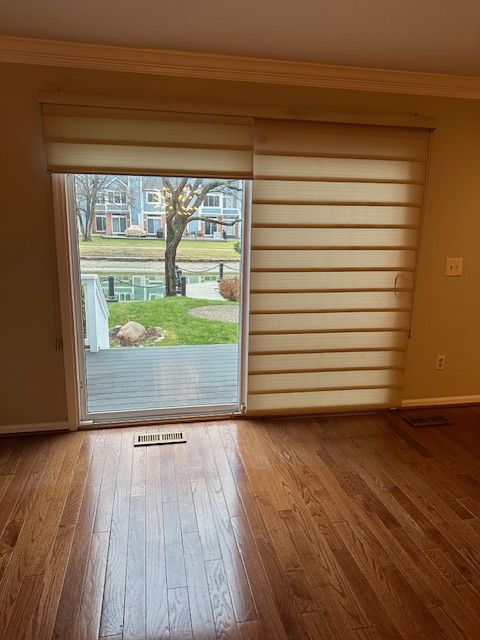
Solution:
(62, 193)
(68, 263)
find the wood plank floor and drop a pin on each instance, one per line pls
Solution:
(339, 528)
(161, 377)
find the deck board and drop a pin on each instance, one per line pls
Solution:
(161, 377)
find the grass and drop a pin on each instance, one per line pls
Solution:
(172, 315)
(155, 249)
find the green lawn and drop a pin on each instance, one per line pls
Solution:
(155, 249)
(172, 315)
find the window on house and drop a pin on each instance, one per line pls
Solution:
(119, 224)
(153, 225)
(210, 227)
(212, 201)
(229, 202)
(101, 198)
(153, 197)
(100, 224)
(230, 229)
(117, 197)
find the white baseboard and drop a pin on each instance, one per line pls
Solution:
(437, 402)
(32, 428)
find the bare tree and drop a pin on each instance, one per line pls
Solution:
(88, 188)
(182, 198)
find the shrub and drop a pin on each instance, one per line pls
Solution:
(229, 288)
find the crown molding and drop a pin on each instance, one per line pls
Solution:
(55, 53)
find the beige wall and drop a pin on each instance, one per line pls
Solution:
(447, 310)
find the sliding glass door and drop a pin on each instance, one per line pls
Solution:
(160, 238)
(158, 281)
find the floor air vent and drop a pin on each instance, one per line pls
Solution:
(159, 438)
(427, 421)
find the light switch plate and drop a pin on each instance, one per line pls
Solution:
(454, 267)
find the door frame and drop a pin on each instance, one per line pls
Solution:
(68, 267)
(62, 193)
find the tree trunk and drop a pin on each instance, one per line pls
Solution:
(170, 276)
(88, 229)
(84, 230)
(175, 229)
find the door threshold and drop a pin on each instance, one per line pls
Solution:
(109, 422)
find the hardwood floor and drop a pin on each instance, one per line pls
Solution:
(339, 528)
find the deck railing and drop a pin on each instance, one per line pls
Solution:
(95, 313)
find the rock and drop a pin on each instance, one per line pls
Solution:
(159, 331)
(132, 332)
(157, 340)
(114, 330)
(135, 231)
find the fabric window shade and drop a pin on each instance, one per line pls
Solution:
(335, 229)
(135, 142)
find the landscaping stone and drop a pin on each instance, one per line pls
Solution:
(132, 332)
(114, 330)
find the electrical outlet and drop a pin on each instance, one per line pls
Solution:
(441, 360)
(454, 267)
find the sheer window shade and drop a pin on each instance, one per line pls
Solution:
(336, 218)
(94, 140)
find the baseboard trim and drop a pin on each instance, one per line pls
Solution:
(439, 402)
(36, 427)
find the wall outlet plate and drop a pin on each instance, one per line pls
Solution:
(454, 267)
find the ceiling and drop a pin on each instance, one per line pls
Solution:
(420, 35)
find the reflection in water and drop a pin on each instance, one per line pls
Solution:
(140, 287)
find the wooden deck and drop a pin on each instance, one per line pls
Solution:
(161, 377)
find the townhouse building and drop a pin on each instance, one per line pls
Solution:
(135, 202)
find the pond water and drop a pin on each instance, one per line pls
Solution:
(139, 287)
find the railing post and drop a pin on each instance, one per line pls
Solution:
(96, 314)
(178, 280)
(111, 290)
